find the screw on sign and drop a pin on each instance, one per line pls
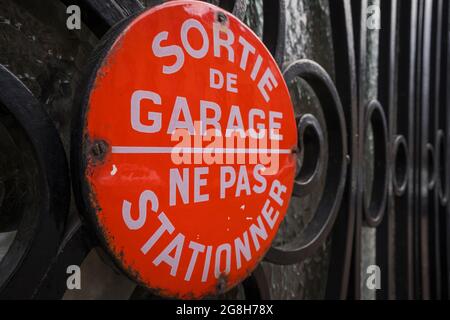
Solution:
(186, 149)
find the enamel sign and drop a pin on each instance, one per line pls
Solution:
(186, 150)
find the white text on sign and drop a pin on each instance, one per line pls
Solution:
(223, 38)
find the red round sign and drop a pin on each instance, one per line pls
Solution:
(186, 150)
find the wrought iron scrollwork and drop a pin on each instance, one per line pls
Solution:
(336, 158)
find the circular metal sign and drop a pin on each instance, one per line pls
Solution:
(185, 149)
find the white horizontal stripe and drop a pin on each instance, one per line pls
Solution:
(170, 150)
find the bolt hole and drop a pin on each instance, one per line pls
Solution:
(99, 149)
(221, 17)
